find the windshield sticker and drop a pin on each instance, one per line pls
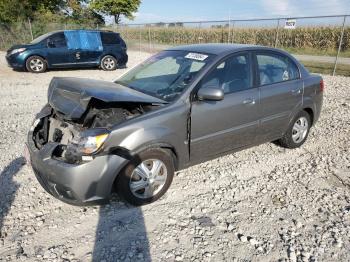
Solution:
(196, 56)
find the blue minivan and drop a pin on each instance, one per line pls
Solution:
(70, 49)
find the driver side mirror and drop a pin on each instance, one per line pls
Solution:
(50, 44)
(210, 93)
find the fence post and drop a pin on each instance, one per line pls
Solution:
(277, 30)
(30, 28)
(140, 36)
(149, 39)
(340, 44)
(229, 30)
(233, 32)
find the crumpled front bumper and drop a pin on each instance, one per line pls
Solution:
(77, 184)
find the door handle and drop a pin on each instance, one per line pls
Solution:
(249, 101)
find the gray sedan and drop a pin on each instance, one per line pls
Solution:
(182, 106)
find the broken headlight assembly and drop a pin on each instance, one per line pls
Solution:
(85, 144)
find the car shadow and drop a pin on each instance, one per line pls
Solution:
(8, 189)
(121, 234)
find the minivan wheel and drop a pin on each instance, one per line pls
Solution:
(36, 64)
(109, 63)
(297, 132)
(147, 177)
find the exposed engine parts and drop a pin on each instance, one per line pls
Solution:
(54, 128)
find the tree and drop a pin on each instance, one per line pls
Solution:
(14, 10)
(116, 8)
(77, 11)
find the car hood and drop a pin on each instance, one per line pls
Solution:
(20, 46)
(71, 96)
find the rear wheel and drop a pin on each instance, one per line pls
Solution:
(109, 63)
(36, 64)
(147, 177)
(298, 131)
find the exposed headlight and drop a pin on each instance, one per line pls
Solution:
(90, 141)
(18, 50)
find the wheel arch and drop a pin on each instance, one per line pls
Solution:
(108, 54)
(129, 155)
(310, 111)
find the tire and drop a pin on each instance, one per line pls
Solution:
(297, 132)
(36, 64)
(109, 63)
(137, 185)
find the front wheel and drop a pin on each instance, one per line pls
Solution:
(36, 64)
(298, 131)
(109, 63)
(147, 177)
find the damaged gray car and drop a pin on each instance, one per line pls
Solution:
(182, 106)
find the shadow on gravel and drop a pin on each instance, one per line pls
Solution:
(121, 234)
(8, 188)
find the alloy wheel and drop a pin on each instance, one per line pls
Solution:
(36, 65)
(108, 63)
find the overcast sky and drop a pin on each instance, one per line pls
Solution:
(195, 10)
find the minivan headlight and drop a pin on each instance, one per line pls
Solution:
(18, 50)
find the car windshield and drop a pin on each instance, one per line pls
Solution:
(166, 74)
(40, 38)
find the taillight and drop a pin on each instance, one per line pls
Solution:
(321, 85)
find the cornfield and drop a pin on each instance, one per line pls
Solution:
(324, 38)
(320, 38)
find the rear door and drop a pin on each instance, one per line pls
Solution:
(221, 126)
(281, 91)
(91, 48)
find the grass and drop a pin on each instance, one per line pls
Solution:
(327, 68)
(318, 52)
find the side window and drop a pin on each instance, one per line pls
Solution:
(276, 68)
(110, 38)
(57, 40)
(232, 75)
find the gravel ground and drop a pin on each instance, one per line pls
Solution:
(261, 204)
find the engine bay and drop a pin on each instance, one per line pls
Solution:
(54, 128)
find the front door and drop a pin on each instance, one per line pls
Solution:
(281, 91)
(221, 126)
(58, 54)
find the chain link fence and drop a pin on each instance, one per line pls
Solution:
(322, 43)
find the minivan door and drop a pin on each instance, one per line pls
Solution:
(281, 91)
(86, 45)
(221, 126)
(58, 54)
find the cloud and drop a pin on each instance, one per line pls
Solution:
(142, 17)
(304, 8)
(280, 7)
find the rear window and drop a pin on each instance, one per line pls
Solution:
(110, 38)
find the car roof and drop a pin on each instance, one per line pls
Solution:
(90, 30)
(219, 49)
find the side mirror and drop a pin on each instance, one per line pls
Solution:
(211, 93)
(50, 44)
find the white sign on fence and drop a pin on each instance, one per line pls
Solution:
(290, 24)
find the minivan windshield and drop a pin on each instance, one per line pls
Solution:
(166, 74)
(40, 38)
